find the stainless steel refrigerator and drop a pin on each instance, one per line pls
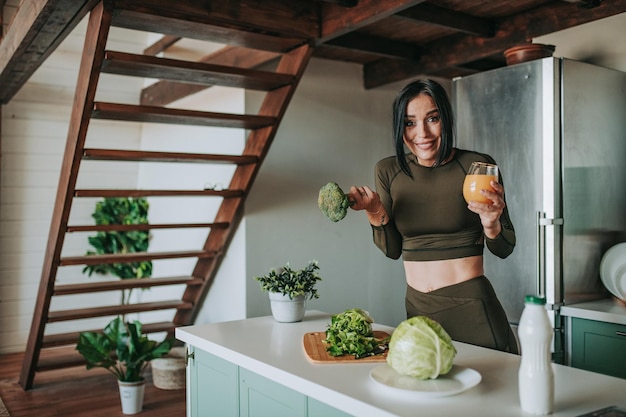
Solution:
(557, 129)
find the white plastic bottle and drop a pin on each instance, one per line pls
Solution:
(536, 378)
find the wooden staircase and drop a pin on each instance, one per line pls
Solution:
(43, 349)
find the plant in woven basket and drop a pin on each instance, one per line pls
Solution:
(122, 211)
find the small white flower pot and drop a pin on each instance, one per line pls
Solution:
(286, 310)
(131, 396)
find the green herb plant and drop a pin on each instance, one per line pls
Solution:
(121, 211)
(350, 333)
(121, 349)
(293, 283)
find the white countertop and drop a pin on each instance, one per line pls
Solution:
(275, 351)
(607, 310)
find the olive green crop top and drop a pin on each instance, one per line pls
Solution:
(429, 218)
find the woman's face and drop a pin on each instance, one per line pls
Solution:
(422, 129)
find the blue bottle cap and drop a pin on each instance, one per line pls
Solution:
(535, 299)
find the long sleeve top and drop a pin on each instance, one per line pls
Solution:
(429, 218)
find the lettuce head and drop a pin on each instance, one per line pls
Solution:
(421, 348)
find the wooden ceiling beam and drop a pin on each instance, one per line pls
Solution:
(161, 45)
(343, 3)
(337, 21)
(457, 50)
(449, 19)
(375, 45)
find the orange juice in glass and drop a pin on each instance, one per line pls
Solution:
(479, 177)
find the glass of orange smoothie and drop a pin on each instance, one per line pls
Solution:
(479, 177)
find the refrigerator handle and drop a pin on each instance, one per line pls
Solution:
(542, 223)
(541, 254)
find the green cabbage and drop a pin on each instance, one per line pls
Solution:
(421, 348)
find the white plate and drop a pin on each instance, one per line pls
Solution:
(459, 379)
(613, 270)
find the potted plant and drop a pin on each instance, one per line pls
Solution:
(289, 289)
(121, 210)
(125, 352)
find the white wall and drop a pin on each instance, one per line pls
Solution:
(599, 43)
(332, 131)
(219, 305)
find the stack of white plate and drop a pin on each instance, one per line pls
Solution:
(613, 270)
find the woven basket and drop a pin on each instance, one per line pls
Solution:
(169, 372)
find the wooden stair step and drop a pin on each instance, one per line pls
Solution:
(144, 226)
(64, 339)
(153, 114)
(123, 284)
(149, 156)
(195, 28)
(159, 193)
(192, 72)
(116, 310)
(59, 358)
(133, 257)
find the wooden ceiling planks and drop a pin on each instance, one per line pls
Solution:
(393, 40)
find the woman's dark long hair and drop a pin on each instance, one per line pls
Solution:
(440, 97)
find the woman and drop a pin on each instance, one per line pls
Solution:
(418, 212)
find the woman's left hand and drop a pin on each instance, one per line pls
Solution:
(490, 212)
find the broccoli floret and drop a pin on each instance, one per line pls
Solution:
(333, 202)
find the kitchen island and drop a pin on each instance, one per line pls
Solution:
(253, 358)
(597, 339)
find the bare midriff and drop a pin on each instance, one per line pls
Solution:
(427, 276)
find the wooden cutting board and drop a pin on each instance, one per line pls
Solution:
(315, 350)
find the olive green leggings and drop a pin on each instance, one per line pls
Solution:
(470, 312)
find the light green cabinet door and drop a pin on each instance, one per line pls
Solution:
(261, 397)
(214, 386)
(319, 409)
(599, 347)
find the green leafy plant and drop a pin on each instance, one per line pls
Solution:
(121, 349)
(291, 282)
(121, 210)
